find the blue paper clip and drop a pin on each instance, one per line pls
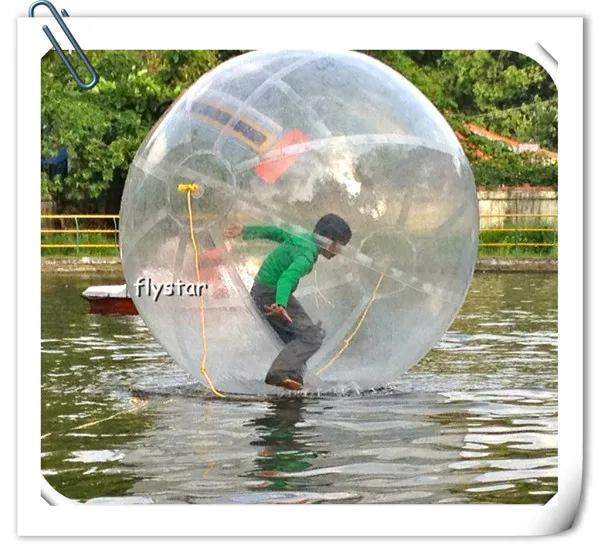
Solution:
(71, 38)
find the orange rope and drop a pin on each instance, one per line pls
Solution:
(189, 188)
(360, 322)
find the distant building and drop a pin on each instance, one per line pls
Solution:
(551, 156)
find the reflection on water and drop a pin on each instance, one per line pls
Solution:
(283, 449)
(475, 421)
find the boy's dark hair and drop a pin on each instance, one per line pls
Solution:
(333, 227)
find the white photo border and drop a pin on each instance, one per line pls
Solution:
(561, 37)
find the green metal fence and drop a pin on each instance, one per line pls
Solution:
(80, 232)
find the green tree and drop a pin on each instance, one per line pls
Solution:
(103, 127)
(503, 91)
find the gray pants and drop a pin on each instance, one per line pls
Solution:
(302, 338)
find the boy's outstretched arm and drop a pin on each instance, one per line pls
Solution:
(253, 232)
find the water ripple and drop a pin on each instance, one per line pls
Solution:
(475, 421)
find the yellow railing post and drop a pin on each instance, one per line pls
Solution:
(77, 236)
(79, 232)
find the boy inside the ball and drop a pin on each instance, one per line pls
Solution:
(277, 280)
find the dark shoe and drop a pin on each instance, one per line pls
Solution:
(288, 383)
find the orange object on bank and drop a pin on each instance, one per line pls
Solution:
(270, 170)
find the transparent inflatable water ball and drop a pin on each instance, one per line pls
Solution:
(282, 138)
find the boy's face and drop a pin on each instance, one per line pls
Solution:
(333, 249)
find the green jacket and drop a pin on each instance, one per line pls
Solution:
(287, 263)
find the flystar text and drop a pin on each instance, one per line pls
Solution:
(179, 288)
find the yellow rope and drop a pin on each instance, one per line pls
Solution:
(142, 403)
(360, 322)
(210, 466)
(94, 423)
(189, 188)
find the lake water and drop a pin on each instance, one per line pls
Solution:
(474, 422)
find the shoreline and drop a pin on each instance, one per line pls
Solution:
(111, 266)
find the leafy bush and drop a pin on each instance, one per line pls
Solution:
(504, 166)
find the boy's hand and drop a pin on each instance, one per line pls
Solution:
(277, 310)
(233, 231)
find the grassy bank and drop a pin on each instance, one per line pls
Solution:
(514, 241)
(96, 243)
(504, 242)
